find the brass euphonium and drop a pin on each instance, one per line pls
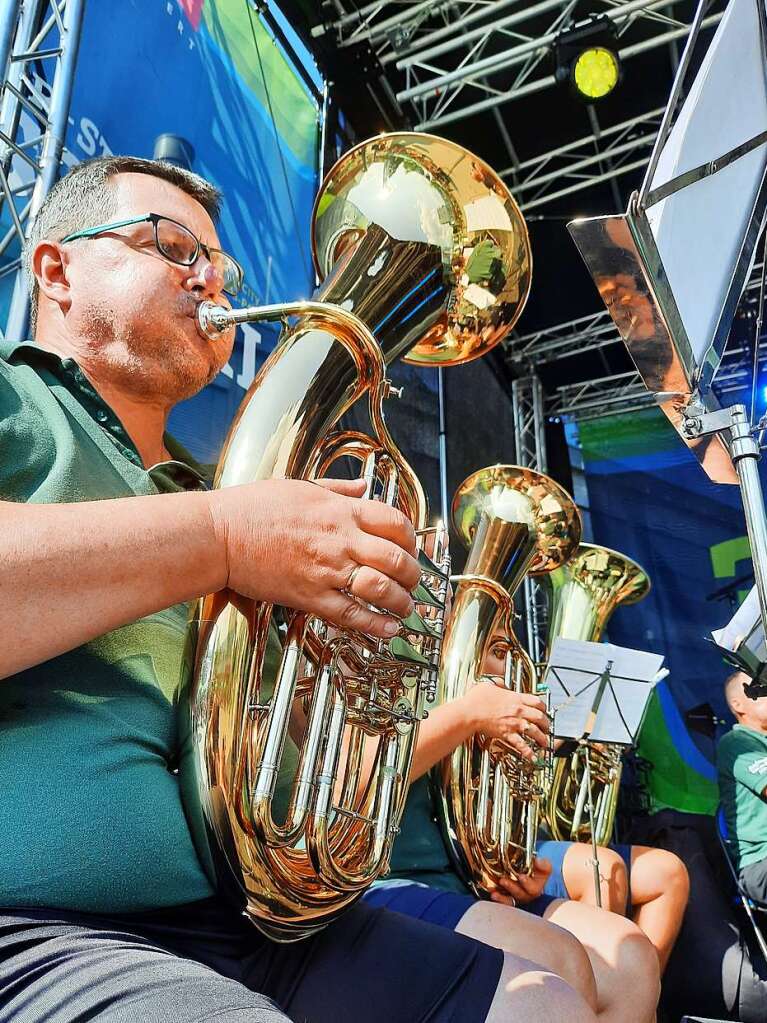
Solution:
(425, 255)
(582, 596)
(513, 521)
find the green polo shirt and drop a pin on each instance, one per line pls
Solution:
(90, 817)
(742, 763)
(420, 853)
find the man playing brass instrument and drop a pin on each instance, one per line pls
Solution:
(107, 532)
(742, 763)
(621, 956)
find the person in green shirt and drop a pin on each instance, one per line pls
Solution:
(742, 765)
(107, 532)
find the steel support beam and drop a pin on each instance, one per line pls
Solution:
(517, 54)
(37, 80)
(541, 84)
(530, 447)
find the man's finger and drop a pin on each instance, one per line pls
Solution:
(348, 613)
(543, 866)
(346, 488)
(386, 557)
(537, 717)
(382, 520)
(534, 734)
(519, 746)
(505, 900)
(378, 589)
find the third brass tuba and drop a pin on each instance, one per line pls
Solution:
(582, 596)
(513, 521)
(422, 252)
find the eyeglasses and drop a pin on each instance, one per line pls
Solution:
(178, 245)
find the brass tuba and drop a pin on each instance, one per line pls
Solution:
(424, 253)
(513, 521)
(582, 596)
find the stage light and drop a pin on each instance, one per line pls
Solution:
(596, 72)
(587, 59)
(764, 395)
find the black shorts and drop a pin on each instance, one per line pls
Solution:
(202, 962)
(754, 881)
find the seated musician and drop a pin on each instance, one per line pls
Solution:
(617, 948)
(742, 763)
(107, 532)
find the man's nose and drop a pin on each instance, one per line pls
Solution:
(205, 276)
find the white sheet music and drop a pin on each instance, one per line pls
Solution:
(573, 679)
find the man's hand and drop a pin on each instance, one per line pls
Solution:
(301, 545)
(527, 888)
(499, 713)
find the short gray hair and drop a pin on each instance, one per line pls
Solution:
(84, 197)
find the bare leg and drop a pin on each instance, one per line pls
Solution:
(660, 887)
(578, 875)
(624, 962)
(524, 935)
(526, 992)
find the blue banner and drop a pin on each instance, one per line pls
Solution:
(211, 73)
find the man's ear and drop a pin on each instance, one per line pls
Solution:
(49, 265)
(737, 702)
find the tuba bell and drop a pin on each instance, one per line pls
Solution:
(513, 521)
(582, 596)
(423, 253)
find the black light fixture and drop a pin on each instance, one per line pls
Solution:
(174, 149)
(587, 58)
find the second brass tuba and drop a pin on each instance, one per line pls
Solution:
(582, 596)
(422, 251)
(513, 521)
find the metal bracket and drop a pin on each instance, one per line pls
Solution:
(698, 422)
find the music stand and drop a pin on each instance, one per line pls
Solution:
(598, 693)
(742, 644)
(672, 269)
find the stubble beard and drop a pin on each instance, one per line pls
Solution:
(148, 365)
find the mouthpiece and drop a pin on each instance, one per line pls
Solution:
(212, 320)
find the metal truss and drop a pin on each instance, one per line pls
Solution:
(527, 409)
(591, 399)
(39, 40)
(530, 448)
(448, 61)
(588, 333)
(604, 155)
(573, 337)
(444, 84)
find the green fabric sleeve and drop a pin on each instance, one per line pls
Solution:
(746, 760)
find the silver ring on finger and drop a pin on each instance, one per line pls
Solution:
(350, 581)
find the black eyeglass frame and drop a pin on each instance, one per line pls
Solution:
(154, 219)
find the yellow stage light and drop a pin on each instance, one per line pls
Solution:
(596, 72)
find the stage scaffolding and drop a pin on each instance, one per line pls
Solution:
(39, 41)
(441, 64)
(530, 452)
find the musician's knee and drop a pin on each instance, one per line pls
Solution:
(638, 959)
(656, 872)
(578, 869)
(525, 990)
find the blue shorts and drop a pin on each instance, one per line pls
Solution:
(434, 905)
(555, 853)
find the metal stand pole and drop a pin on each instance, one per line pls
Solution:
(442, 447)
(744, 450)
(594, 852)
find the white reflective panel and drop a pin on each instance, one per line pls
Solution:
(699, 230)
